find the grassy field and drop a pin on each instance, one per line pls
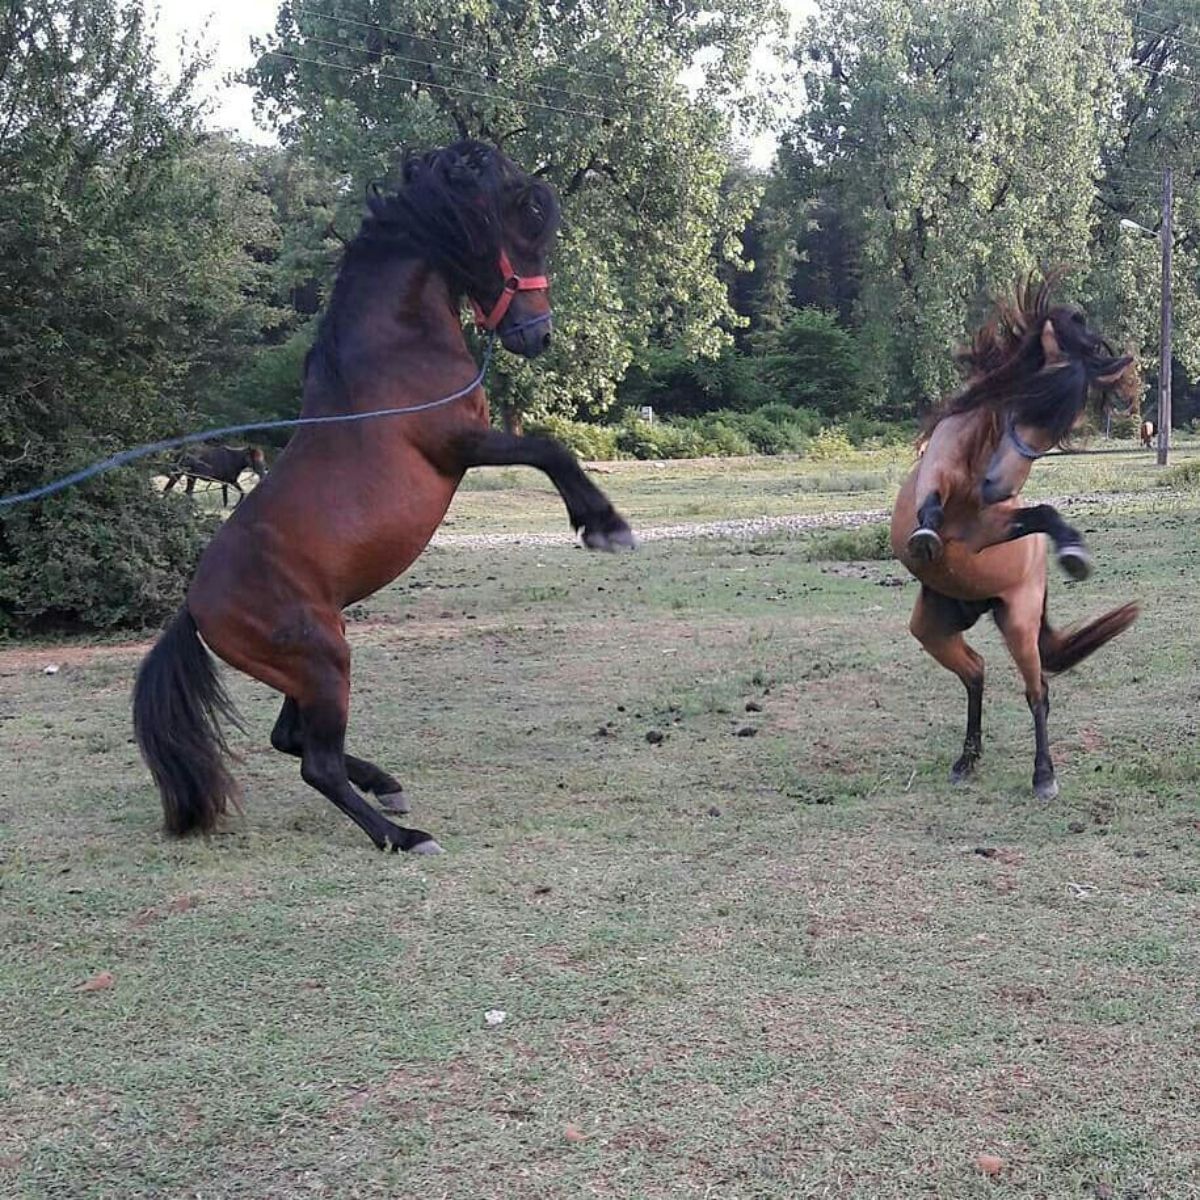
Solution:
(793, 964)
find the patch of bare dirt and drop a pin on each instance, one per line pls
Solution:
(22, 659)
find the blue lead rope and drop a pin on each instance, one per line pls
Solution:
(128, 456)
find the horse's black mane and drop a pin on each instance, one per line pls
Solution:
(1006, 363)
(454, 209)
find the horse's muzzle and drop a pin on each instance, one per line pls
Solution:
(530, 337)
(993, 491)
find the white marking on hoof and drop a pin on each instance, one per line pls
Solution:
(1076, 561)
(925, 545)
(396, 802)
(429, 847)
(1047, 790)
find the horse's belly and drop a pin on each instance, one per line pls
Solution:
(398, 534)
(966, 574)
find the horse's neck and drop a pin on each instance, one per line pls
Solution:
(963, 444)
(392, 322)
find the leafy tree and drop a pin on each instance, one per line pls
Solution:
(812, 362)
(124, 273)
(1156, 122)
(588, 96)
(675, 383)
(961, 143)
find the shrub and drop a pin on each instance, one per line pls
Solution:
(831, 442)
(868, 431)
(719, 434)
(594, 443)
(650, 440)
(867, 542)
(1182, 475)
(122, 556)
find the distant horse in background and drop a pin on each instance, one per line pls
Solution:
(1147, 432)
(959, 529)
(349, 506)
(218, 464)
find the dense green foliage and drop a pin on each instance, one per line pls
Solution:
(124, 273)
(947, 148)
(590, 97)
(155, 275)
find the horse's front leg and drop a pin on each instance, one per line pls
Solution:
(1006, 522)
(1073, 556)
(590, 511)
(925, 542)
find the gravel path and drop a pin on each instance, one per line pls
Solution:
(747, 527)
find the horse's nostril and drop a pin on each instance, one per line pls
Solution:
(546, 339)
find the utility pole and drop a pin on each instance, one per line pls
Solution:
(1164, 368)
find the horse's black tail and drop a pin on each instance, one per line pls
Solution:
(1061, 651)
(177, 701)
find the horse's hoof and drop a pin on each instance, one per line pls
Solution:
(1076, 561)
(427, 847)
(963, 769)
(1047, 789)
(393, 802)
(925, 546)
(618, 537)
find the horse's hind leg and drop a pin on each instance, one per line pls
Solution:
(317, 674)
(939, 636)
(1020, 622)
(590, 511)
(288, 738)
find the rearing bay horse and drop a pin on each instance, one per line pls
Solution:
(957, 524)
(349, 506)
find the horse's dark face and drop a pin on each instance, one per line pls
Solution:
(526, 326)
(256, 461)
(1067, 361)
(489, 226)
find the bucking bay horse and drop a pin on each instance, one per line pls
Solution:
(957, 524)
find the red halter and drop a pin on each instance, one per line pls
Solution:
(513, 283)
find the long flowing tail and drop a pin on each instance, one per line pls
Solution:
(1061, 651)
(177, 702)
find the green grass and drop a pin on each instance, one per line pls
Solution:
(769, 966)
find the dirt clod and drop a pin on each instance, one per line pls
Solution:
(989, 1164)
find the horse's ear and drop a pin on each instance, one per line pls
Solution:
(376, 198)
(1050, 346)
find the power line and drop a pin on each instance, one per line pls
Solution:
(366, 70)
(458, 45)
(425, 62)
(1163, 35)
